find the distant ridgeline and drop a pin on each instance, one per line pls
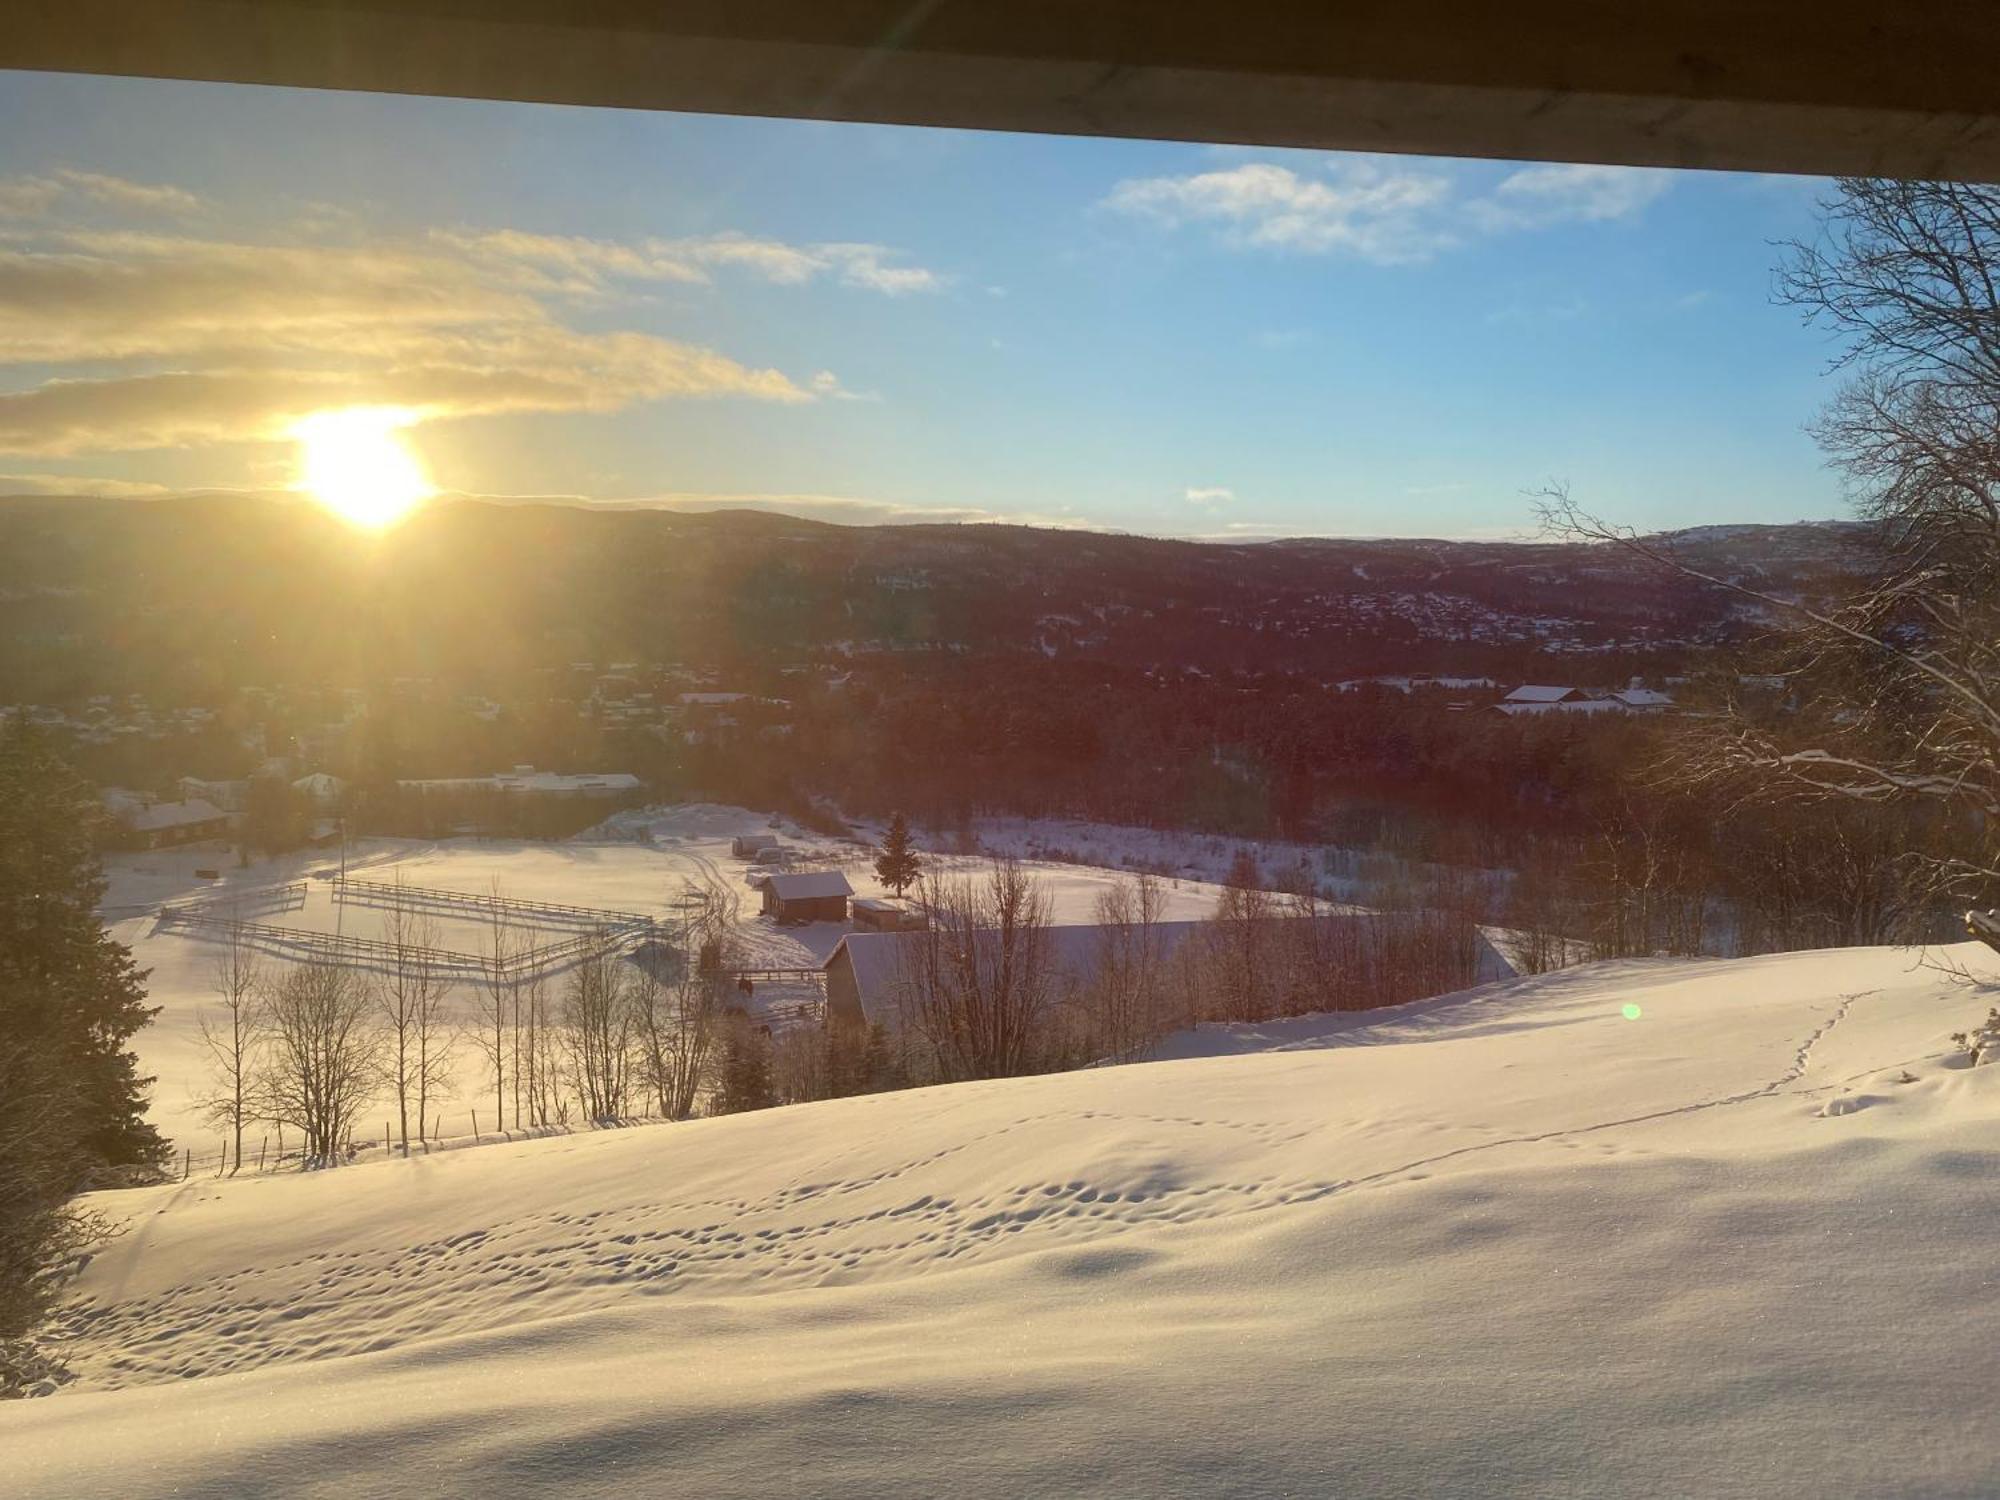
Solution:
(190, 596)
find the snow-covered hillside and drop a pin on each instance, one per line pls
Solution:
(1652, 1228)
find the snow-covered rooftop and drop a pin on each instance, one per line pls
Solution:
(806, 885)
(164, 815)
(1643, 698)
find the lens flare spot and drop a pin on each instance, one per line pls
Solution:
(356, 463)
(1631, 1011)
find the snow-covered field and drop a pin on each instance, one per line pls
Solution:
(1341, 874)
(1658, 1228)
(681, 843)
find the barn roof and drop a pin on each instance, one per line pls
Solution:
(1074, 952)
(1539, 693)
(808, 885)
(877, 957)
(164, 815)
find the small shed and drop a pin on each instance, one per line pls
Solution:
(750, 845)
(807, 896)
(881, 914)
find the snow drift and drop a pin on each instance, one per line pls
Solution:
(1653, 1228)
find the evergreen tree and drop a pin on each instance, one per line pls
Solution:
(898, 865)
(274, 816)
(746, 1071)
(71, 1098)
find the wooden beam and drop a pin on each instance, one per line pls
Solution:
(1891, 87)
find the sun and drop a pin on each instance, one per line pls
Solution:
(356, 463)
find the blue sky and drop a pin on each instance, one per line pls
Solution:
(872, 322)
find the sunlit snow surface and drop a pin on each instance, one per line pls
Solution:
(682, 843)
(1506, 1243)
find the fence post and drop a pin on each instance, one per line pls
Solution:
(261, 1149)
(187, 1163)
(385, 1138)
(475, 1126)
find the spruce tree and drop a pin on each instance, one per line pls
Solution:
(898, 865)
(71, 1098)
(746, 1072)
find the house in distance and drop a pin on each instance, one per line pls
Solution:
(807, 896)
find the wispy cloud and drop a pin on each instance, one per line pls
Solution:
(1384, 210)
(840, 510)
(164, 340)
(1565, 310)
(1378, 213)
(1537, 197)
(32, 195)
(579, 264)
(80, 484)
(1213, 494)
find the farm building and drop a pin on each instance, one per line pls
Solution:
(1544, 693)
(158, 825)
(750, 845)
(1536, 698)
(881, 914)
(1644, 700)
(526, 781)
(807, 896)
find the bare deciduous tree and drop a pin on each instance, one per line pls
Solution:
(323, 1061)
(413, 998)
(232, 1039)
(978, 982)
(1125, 998)
(679, 1021)
(598, 1030)
(1897, 679)
(681, 1012)
(1240, 941)
(537, 1068)
(498, 1001)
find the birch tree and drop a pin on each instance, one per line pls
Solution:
(233, 1038)
(323, 1061)
(978, 983)
(412, 999)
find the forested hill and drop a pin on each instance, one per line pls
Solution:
(212, 591)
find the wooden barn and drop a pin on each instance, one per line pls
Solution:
(807, 896)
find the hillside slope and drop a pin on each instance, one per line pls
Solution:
(1523, 1241)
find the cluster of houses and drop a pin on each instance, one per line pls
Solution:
(205, 809)
(526, 781)
(105, 720)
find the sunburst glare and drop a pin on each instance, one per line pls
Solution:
(356, 463)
